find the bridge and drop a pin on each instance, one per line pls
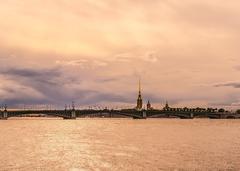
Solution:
(73, 113)
(132, 113)
(191, 114)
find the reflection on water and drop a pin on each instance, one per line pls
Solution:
(119, 144)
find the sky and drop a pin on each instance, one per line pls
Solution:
(93, 52)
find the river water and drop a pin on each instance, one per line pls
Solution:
(119, 144)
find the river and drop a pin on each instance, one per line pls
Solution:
(29, 144)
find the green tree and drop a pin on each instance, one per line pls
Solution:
(221, 110)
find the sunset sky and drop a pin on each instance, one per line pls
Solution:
(93, 52)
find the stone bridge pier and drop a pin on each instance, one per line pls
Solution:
(144, 114)
(4, 113)
(191, 115)
(72, 112)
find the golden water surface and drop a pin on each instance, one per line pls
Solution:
(119, 144)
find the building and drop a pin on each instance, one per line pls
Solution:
(149, 107)
(139, 99)
(166, 106)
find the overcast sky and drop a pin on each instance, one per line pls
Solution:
(93, 52)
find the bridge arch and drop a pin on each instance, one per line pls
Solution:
(231, 117)
(169, 114)
(56, 113)
(108, 112)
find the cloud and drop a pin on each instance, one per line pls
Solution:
(231, 84)
(230, 104)
(34, 86)
(104, 80)
(237, 68)
(83, 63)
(94, 51)
(39, 75)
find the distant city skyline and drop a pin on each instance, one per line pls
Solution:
(93, 52)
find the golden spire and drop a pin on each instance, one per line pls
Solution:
(139, 99)
(139, 88)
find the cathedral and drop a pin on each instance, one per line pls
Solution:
(140, 101)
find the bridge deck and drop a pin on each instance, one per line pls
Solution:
(68, 114)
